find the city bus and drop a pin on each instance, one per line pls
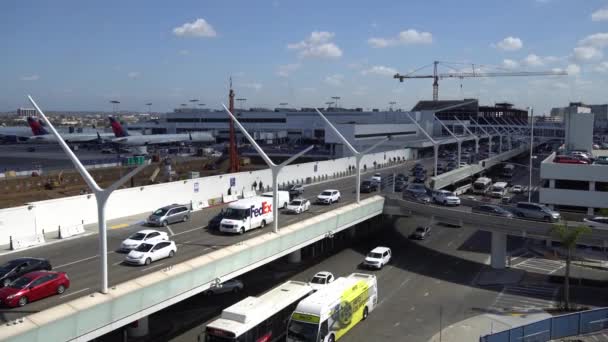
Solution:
(258, 319)
(331, 312)
(482, 185)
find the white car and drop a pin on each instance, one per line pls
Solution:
(329, 196)
(321, 279)
(232, 285)
(298, 205)
(146, 253)
(377, 178)
(146, 235)
(597, 222)
(378, 257)
(445, 197)
(517, 189)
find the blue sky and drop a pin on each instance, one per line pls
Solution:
(79, 55)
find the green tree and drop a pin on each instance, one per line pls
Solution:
(568, 236)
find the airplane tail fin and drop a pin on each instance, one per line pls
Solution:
(36, 126)
(117, 128)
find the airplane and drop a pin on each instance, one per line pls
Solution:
(123, 137)
(42, 135)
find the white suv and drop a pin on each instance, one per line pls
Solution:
(329, 196)
(378, 257)
(445, 197)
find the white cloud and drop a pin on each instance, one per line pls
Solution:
(510, 64)
(197, 28)
(597, 40)
(253, 85)
(600, 15)
(573, 69)
(334, 80)
(602, 67)
(380, 70)
(134, 74)
(318, 45)
(287, 69)
(184, 52)
(533, 60)
(510, 44)
(587, 53)
(30, 78)
(407, 37)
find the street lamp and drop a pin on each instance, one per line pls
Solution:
(329, 103)
(274, 168)
(114, 105)
(149, 104)
(531, 152)
(336, 98)
(283, 104)
(101, 196)
(193, 101)
(241, 101)
(392, 103)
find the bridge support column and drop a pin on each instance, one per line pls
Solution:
(499, 250)
(138, 328)
(295, 257)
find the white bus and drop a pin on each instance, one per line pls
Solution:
(261, 318)
(331, 312)
(508, 170)
(246, 214)
(499, 189)
(482, 185)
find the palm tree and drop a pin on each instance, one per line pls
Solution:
(568, 238)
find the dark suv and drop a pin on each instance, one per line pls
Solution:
(18, 267)
(369, 186)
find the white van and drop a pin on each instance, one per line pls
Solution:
(246, 214)
(499, 189)
(283, 198)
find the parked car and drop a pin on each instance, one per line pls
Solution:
(377, 178)
(146, 253)
(535, 211)
(296, 190)
(34, 286)
(321, 279)
(421, 233)
(445, 197)
(368, 186)
(232, 286)
(168, 215)
(416, 188)
(146, 235)
(517, 189)
(378, 257)
(17, 267)
(489, 209)
(214, 223)
(569, 160)
(597, 222)
(601, 160)
(328, 196)
(298, 205)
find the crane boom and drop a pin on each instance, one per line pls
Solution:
(437, 76)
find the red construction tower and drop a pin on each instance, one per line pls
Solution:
(234, 156)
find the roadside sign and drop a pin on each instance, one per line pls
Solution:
(195, 187)
(232, 181)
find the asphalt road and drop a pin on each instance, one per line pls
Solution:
(79, 257)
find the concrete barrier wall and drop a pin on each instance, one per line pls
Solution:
(49, 215)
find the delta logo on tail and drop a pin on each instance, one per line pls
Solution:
(36, 126)
(119, 132)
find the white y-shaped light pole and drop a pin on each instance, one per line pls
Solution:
(435, 143)
(471, 133)
(458, 140)
(358, 155)
(486, 134)
(274, 168)
(490, 126)
(507, 128)
(101, 196)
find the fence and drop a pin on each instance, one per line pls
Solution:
(573, 324)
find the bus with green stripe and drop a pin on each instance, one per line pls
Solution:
(328, 314)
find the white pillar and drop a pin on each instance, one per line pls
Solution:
(552, 183)
(139, 328)
(590, 211)
(592, 186)
(295, 257)
(499, 250)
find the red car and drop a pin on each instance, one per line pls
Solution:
(33, 286)
(569, 160)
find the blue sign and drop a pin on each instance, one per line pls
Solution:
(232, 181)
(196, 187)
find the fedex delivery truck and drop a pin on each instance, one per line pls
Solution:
(246, 214)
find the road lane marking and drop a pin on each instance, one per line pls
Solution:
(77, 261)
(170, 230)
(190, 230)
(73, 293)
(151, 267)
(117, 263)
(118, 226)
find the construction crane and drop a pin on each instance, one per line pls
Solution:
(437, 76)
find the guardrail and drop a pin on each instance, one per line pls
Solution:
(552, 328)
